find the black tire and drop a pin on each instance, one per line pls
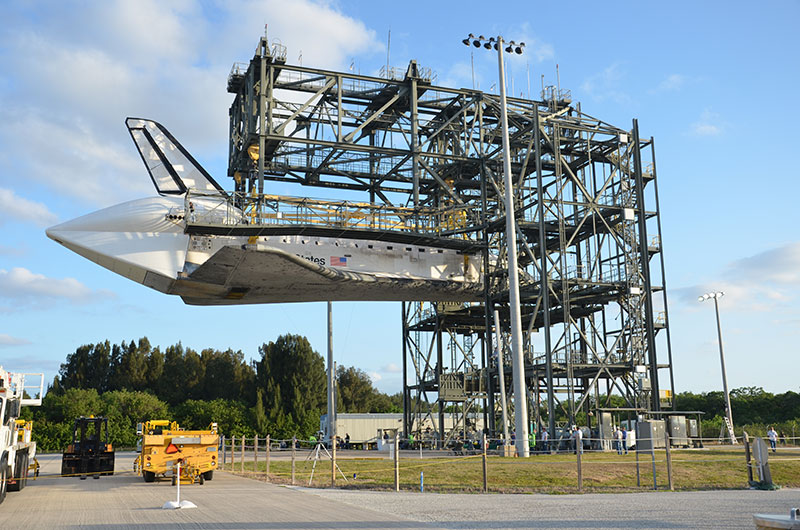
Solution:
(17, 484)
(3, 477)
(21, 474)
(174, 480)
(208, 475)
(22, 480)
(202, 479)
(149, 476)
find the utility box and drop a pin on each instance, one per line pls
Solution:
(606, 431)
(650, 435)
(677, 431)
(694, 431)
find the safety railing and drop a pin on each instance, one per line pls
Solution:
(270, 210)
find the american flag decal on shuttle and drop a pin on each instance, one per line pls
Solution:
(338, 262)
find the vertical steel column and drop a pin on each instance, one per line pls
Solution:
(264, 121)
(663, 274)
(415, 145)
(406, 391)
(543, 282)
(645, 258)
(501, 376)
(439, 360)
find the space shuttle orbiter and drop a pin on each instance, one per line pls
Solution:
(194, 241)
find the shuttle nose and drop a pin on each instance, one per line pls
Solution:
(131, 239)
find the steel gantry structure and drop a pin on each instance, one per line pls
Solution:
(591, 273)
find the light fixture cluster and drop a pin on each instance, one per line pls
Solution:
(491, 42)
(709, 296)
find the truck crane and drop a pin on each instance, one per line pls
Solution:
(17, 449)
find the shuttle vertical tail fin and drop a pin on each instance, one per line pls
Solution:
(173, 170)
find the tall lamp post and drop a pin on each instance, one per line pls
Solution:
(518, 363)
(728, 413)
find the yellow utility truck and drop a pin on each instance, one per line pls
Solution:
(164, 445)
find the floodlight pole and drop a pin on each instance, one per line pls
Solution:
(722, 364)
(728, 411)
(518, 362)
(331, 379)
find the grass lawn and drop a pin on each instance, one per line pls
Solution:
(711, 468)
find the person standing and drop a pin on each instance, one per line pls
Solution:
(625, 440)
(546, 440)
(773, 438)
(618, 441)
(577, 435)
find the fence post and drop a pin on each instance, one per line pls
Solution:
(485, 470)
(266, 472)
(578, 451)
(255, 453)
(396, 461)
(747, 457)
(223, 453)
(333, 460)
(653, 460)
(233, 454)
(294, 445)
(243, 439)
(638, 475)
(669, 460)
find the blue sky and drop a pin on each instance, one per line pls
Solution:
(715, 83)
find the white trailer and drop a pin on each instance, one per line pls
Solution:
(367, 430)
(17, 449)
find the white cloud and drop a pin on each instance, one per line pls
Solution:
(671, 83)
(25, 288)
(8, 340)
(80, 162)
(756, 283)
(709, 124)
(15, 208)
(327, 37)
(607, 85)
(778, 266)
(15, 252)
(375, 376)
(164, 61)
(392, 368)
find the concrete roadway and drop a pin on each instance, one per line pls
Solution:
(125, 501)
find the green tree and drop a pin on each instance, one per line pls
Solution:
(259, 414)
(171, 386)
(124, 409)
(74, 371)
(155, 369)
(132, 374)
(54, 419)
(292, 376)
(232, 417)
(354, 390)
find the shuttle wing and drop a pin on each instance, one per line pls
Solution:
(171, 167)
(241, 275)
